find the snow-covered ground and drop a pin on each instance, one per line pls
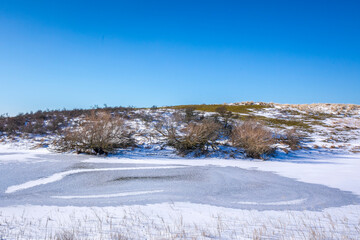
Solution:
(150, 193)
(299, 196)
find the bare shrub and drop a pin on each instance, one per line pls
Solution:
(224, 113)
(51, 121)
(56, 123)
(292, 138)
(36, 126)
(189, 114)
(143, 116)
(226, 116)
(254, 138)
(196, 137)
(167, 128)
(221, 110)
(98, 134)
(178, 116)
(34, 123)
(15, 125)
(2, 124)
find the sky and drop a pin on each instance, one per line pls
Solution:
(79, 54)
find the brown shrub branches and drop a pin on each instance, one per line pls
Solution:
(98, 134)
(254, 138)
(196, 137)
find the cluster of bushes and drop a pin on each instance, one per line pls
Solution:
(38, 123)
(105, 130)
(54, 121)
(197, 135)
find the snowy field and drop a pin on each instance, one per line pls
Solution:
(149, 192)
(45, 195)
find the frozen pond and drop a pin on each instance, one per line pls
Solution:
(67, 180)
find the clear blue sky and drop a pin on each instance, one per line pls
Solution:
(56, 54)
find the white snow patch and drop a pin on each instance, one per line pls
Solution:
(165, 220)
(292, 202)
(58, 176)
(124, 194)
(12, 153)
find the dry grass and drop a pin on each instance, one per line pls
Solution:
(325, 107)
(135, 224)
(65, 235)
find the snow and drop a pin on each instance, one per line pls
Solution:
(11, 153)
(58, 176)
(335, 168)
(164, 220)
(168, 220)
(123, 194)
(296, 201)
(314, 167)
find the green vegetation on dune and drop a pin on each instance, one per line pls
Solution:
(246, 109)
(213, 107)
(276, 122)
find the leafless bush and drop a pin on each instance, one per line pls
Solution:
(36, 126)
(14, 125)
(292, 138)
(254, 138)
(146, 117)
(195, 137)
(52, 121)
(56, 123)
(189, 114)
(225, 119)
(198, 136)
(98, 134)
(34, 123)
(2, 124)
(178, 116)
